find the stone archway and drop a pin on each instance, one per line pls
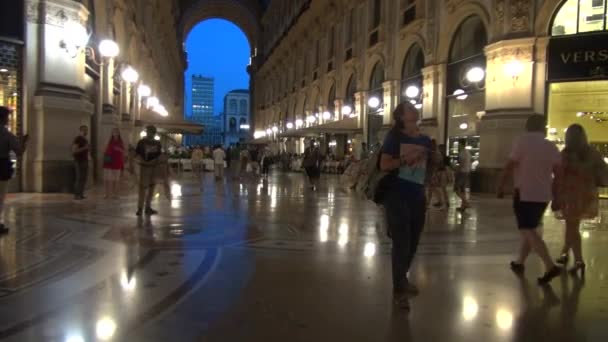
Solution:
(245, 14)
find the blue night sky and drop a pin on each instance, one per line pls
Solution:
(217, 48)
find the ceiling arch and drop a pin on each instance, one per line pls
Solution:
(245, 14)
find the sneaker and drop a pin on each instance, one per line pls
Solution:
(549, 275)
(517, 268)
(150, 211)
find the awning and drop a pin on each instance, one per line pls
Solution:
(259, 141)
(171, 125)
(344, 126)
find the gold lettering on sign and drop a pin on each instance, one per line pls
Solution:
(589, 56)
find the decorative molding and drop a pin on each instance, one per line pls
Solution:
(451, 5)
(520, 15)
(499, 12)
(55, 13)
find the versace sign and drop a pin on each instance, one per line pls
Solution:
(578, 57)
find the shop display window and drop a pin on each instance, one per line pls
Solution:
(584, 103)
(10, 84)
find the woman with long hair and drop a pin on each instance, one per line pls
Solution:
(404, 156)
(578, 190)
(113, 163)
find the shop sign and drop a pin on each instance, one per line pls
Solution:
(578, 57)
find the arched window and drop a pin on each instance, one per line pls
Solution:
(331, 101)
(232, 125)
(375, 88)
(243, 107)
(411, 76)
(466, 87)
(351, 89)
(578, 16)
(232, 109)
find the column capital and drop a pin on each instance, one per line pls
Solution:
(505, 50)
(55, 12)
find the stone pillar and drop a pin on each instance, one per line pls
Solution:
(338, 104)
(360, 111)
(509, 102)
(434, 101)
(391, 99)
(56, 104)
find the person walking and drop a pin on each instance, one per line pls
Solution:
(148, 151)
(80, 152)
(405, 156)
(535, 162)
(582, 169)
(113, 163)
(266, 162)
(196, 159)
(463, 174)
(310, 163)
(219, 157)
(8, 143)
(244, 162)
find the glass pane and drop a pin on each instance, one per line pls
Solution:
(583, 103)
(565, 20)
(591, 15)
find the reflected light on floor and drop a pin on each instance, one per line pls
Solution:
(369, 250)
(105, 328)
(175, 204)
(469, 308)
(324, 229)
(586, 235)
(176, 190)
(74, 338)
(504, 319)
(343, 232)
(128, 284)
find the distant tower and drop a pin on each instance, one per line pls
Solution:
(202, 113)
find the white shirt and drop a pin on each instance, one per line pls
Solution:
(219, 156)
(464, 161)
(536, 157)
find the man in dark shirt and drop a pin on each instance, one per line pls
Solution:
(148, 151)
(80, 152)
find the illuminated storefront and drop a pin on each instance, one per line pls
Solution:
(577, 89)
(466, 88)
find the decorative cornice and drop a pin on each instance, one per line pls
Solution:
(56, 12)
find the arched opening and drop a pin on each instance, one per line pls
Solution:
(411, 76)
(466, 88)
(331, 102)
(214, 102)
(349, 97)
(577, 76)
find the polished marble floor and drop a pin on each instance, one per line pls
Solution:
(273, 261)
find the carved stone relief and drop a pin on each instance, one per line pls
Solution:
(520, 15)
(55, 14)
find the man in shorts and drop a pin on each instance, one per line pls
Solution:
(535, 162)
(148, 152)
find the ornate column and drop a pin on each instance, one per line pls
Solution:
(510, 88)
(433, 101)
(391, 99)
(56, 102)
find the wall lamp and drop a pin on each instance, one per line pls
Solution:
(289, 125)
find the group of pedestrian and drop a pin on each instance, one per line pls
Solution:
(568, 179)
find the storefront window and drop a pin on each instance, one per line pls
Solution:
(584, 103)
(466, 88)
(579, 16)
(10, 83)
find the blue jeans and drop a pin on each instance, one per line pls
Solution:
(405, 218)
